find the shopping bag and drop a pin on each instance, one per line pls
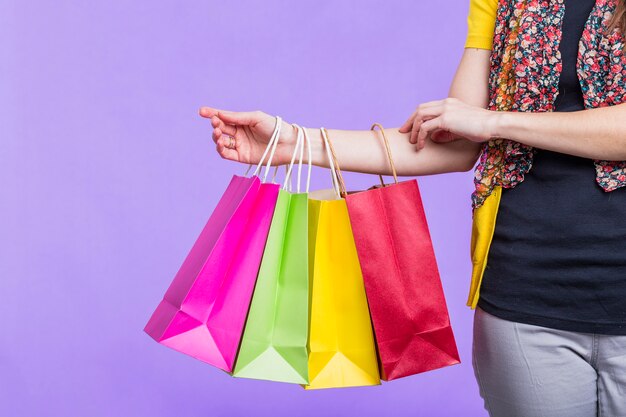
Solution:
(404, 291)
(274, 342)
(341, 340)
(204, 309)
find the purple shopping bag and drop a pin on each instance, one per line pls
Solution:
(204, 309)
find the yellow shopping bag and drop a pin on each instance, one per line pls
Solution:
(342, 351)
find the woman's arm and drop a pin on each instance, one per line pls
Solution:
(363, 151)
(593, 133)
(360, 150)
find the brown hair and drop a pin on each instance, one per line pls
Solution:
(619, 18)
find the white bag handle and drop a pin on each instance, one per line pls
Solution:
(309, 154)
(299, 145)
(270, 144)
(301, 139)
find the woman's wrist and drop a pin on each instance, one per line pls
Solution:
(288, 134)
(318, 153)
(496, 125)
(288, 140)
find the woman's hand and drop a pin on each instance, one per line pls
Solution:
(251, 132)
(448, 120)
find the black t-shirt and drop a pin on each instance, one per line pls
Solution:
(558, 254)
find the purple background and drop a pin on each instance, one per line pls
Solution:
(107, 175)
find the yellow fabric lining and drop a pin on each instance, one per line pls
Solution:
(483, 226)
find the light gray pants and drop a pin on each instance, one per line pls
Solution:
(525, 370)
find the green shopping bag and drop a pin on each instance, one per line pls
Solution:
(274, 341)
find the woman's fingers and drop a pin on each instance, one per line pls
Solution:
(207, 112)
(448, 120)
(226, 153)
(414, 131)
(217, 123)
(421, 109)
(425, 111)
(219, 134)
(406, 127)
(219, 127)
(427, 128)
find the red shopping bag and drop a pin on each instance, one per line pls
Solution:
(402, 283)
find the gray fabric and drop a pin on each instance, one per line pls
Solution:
(525, 370)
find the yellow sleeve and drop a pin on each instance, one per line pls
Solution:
(481, 21)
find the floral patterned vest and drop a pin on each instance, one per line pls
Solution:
(525, 70)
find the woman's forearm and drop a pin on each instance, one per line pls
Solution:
(594, 133)
(364, 151)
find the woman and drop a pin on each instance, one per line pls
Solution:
(537, 100)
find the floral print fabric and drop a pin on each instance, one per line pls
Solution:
(525, 69)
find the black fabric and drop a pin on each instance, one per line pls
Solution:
(558, 255)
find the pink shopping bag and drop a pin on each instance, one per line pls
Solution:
(204, 309)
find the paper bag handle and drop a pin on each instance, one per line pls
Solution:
(338, 182)
(299, 149)
(388, 149)
(309, 158)
(340, 185)
(271, 148)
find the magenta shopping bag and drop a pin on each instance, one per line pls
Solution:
(204, 309)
